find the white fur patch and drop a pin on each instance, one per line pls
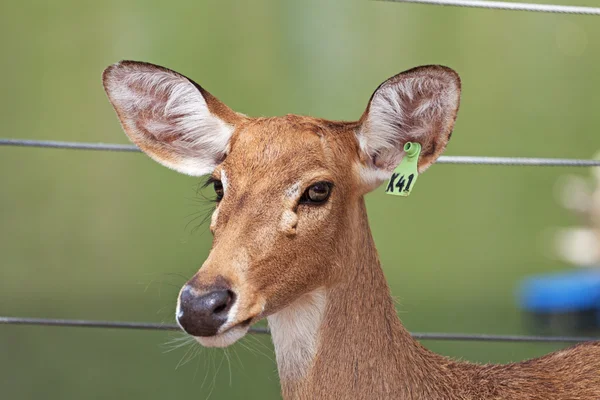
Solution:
(223, 339)
(214, 218)
(166, 109)
(178, 310)
(293, 192)
(289, 220)
(224, 180)
(294, 331)
(215, 215)
(372, 177)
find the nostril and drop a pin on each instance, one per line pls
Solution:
(214, 303)
(220, 308)
(224, 302)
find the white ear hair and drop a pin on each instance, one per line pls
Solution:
(419, 105)
(169, 116)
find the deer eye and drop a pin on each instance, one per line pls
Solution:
(317, 193)
(218, 187)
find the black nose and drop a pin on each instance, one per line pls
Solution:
(203, 314)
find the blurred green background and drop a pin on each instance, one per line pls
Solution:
(102, 235)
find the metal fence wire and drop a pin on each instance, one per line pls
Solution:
(509, 6)
(154, 326)
(477, 160)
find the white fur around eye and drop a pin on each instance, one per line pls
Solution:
(224, 180)
(293, 192)
(214, 218)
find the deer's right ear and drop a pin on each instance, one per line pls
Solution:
(170, 117)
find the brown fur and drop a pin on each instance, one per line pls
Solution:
(363, 351)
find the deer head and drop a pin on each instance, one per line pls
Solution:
(289, 189)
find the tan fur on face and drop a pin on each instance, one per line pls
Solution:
(263, 215)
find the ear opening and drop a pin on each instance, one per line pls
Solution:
(419, 105)
(170, 117)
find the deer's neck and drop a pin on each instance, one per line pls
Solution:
(346, 341)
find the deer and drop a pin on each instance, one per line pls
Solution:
(292, 243)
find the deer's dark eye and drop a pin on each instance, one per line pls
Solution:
(317, 193)
(218, 186)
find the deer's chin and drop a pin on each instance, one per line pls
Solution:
(224, 339)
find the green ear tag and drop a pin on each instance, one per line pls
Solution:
(406, 173)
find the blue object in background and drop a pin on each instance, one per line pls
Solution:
(569, 293)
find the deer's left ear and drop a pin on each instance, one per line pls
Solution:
(419, 105)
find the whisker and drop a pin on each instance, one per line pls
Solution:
(234, 349)
(206, 368)
(229, 365)
(214, 381)
(177, 343)
(188, 356)
(256, 350)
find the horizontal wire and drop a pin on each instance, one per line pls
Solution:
(520, 161)
(476, 160)
(259, 330)
(53, 144)
(503, 5)
(144, 326)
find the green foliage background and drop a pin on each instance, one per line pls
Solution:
(105, 235)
